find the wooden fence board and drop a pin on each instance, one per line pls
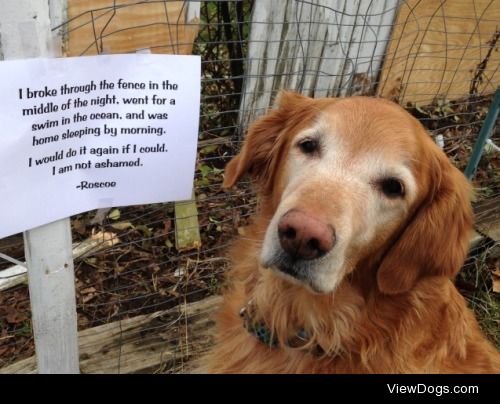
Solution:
(318, 49)
(122, 26)
(148, 342)
(435, 50)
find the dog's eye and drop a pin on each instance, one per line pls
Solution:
(392, 187)
(309, 146)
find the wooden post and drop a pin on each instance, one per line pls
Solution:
(187, 230)
(51, 278)
(25, 32)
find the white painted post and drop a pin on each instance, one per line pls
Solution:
(52, 294)
(25, 32)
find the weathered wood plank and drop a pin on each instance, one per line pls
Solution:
(187, 231)
(487, 214)
(436, 48)
(319, 49)
(150, 342)
(17, 274)
(25, 30)
(122, 26)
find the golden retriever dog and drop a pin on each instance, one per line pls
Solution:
(348, 265)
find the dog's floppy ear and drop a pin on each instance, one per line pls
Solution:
(263, 144)
(436, 240)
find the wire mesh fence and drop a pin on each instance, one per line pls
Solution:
(143, 302)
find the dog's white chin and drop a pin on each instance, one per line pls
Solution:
(315, 282)
(327, 283)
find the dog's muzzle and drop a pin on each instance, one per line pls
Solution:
(303, 240)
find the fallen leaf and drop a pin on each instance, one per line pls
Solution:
(167, 225)
(209, 149)
(83, 322)
(122, 226)
(114, 214)
(179, 272)
(79, 226)
(88, 298)
(88, 290)
(14, 316)
(495, 276)
(145, 230)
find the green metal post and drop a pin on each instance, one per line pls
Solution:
(484, 134)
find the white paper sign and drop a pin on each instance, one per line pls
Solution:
(83, 133)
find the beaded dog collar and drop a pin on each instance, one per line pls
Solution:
(265, 335)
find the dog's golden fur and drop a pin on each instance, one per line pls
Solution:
(397, 310)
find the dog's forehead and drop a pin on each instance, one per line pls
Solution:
(365, 125)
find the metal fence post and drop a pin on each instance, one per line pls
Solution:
(484, 134)
(25, 32)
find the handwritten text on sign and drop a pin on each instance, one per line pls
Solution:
(83, 133)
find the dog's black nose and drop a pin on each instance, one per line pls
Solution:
(304, 236)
